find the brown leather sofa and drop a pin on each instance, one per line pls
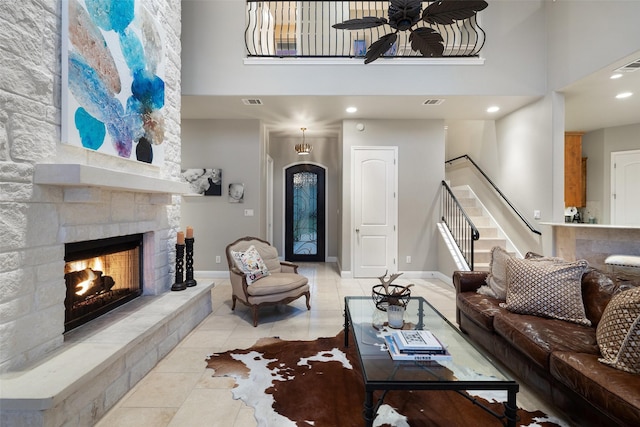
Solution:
(554, 357)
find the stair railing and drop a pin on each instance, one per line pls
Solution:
(495, 187)
(462, 229)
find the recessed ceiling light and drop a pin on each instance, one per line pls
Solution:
(493, 109)
(615, 76)
(624, 95)
(351, 109)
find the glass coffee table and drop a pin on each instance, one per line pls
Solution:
(468, 369)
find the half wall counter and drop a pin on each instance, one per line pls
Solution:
(594, 242)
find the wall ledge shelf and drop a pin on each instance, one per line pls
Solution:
(590, 226)
(77, 175)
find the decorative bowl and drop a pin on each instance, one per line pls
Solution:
(382, 299)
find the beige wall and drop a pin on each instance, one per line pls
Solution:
(597, 146)
(522, 154)
(235, 147)
(420, 171)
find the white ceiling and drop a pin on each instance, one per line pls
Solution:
(589, 104)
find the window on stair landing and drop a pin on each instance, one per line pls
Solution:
(304, 216)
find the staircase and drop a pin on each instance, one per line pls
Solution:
(489, 232)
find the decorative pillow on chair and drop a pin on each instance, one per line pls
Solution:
(251, 264)
(497, 278)
(548, 289)
(618, 333)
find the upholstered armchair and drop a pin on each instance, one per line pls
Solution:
(258, 284)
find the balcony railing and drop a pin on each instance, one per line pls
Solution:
(304, 29)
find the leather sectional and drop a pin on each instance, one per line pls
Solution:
(557, 358)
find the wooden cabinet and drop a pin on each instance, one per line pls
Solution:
(575, 178)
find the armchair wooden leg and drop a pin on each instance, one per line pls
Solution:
(233, 304)
(308, 296)
(255, 315)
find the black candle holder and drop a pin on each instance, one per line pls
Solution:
(179, 285)
(190, 282)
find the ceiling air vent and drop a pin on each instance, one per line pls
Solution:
(252, 101)
(633, 66)
(433, 102)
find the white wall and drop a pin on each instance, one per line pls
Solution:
(585, 36)
(523, 155)
(420, 172)
(597, 146)
(533, 47)
(213, 53)
(235, 147)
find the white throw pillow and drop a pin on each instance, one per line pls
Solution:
(251, 264)
(497, 278)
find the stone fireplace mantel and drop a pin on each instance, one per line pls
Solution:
(77, 175)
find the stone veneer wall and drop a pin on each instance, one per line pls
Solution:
(36, 220)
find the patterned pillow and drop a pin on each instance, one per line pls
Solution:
(548, 289)
(497, 278)
(618, 333)
(251, 264)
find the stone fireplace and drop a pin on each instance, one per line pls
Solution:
(96, 233)
(55, 195)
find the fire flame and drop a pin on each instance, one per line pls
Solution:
(91, 265)
(84, 286)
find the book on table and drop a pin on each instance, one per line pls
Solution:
(424, 355)
(412, 341)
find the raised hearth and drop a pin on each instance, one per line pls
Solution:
(100, 361)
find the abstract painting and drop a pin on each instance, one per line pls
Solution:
(113, 79)
(207, 182)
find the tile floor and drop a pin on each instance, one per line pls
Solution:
(180, 390)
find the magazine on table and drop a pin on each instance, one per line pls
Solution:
(396, 354)
(417, 340)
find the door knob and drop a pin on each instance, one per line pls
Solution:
(357, 230)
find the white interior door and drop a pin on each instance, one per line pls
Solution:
(625, 176)
(375, 210)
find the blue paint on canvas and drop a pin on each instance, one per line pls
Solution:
(88, 88)
(134, 112)
(132, 50)
(92, 131)
(148, 90)
(110, 15)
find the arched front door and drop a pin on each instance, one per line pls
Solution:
(304, 213)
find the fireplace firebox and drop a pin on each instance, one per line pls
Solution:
(101, 275)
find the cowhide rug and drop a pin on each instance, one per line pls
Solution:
(319, 383)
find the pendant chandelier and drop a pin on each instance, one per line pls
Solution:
(303, 149)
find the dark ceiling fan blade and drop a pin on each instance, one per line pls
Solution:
(380, 47)
(360, 23)
(446, 12)
(427, 41)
